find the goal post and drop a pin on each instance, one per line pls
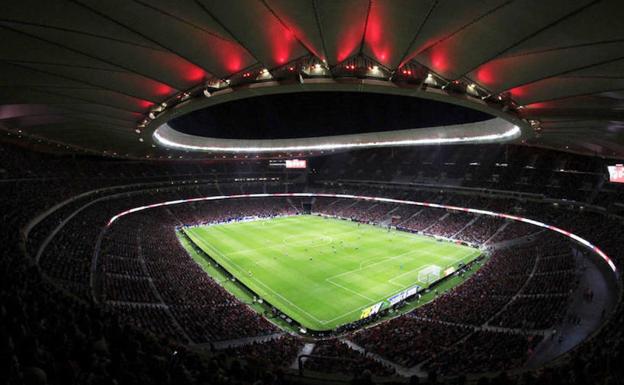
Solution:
(429, 274)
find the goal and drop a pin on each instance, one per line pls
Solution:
(429, 274)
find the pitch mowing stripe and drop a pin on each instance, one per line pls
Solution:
(292, 261)
(214, 252)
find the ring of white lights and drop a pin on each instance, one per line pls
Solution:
(493, 130)
(568, 234)
(503, 127)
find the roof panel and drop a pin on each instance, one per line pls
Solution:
(158, 65)
(342, 24)
(104, 64)
(205, 47)
(124, 82)
(502, 73)
(599, 22)
(300, 17)
(563, 87)
(391, 27)
(493, 34)
(440, 25)
(269, 41)
(69, 16)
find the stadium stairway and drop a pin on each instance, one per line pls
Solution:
(590, 314)
(498, 231)
(235, 343)
(305, 350)
(472, 221)
(516, 241)
(400, 370)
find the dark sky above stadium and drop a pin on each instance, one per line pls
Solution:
(300, 115)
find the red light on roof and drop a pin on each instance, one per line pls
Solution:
(485, 75)
(195, 74)
(145, 104)
(163, 89)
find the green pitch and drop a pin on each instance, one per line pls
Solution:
(324, 272)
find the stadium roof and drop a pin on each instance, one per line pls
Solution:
(88, 73)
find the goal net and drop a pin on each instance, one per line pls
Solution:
(429, 274)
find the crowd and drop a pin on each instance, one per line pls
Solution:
(504, 168)
(450, 224)
(278, 353)
(334, 356)
(154, 299)
(484, 351)
(408, 341)
(167, 276)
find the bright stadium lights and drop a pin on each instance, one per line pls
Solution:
(158, 108)
(568, 234)
(430, 80)
(137, 131)
(152, 115)
(165, 136)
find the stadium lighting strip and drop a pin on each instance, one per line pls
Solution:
(378, 199)
(513, 132)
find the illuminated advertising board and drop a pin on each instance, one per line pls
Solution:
(403, 295)
(616, 173)
(371, 310)
(296, 163)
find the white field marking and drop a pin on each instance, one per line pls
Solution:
(347, 289)
(412, 237)
(288, 301)
(426, 267)
(280, 246)
(244, 274)
(471, 254)
(403, 287)
(365, 306)
(423, 250)
(417, 270)
(306, 238)
(385, 259)
(323, 322)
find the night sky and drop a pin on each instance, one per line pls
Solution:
(311, 114)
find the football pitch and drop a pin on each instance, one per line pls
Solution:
(325, 272)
